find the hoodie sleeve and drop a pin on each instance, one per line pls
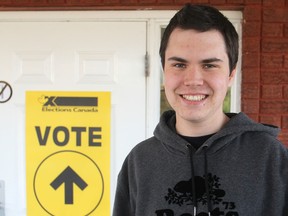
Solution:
(123, 203)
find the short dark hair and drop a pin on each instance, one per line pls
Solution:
(203, 18)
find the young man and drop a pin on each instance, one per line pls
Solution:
(200, 160)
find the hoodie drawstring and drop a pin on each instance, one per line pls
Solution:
(207, 188)
(193, 181)
(209, 205)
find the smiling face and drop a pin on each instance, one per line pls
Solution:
(196, 79)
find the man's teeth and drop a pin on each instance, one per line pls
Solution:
(194, 97)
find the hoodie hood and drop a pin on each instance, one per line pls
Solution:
(237, 125)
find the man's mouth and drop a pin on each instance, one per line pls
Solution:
(194, 97)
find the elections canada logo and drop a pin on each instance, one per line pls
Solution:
(68, 104)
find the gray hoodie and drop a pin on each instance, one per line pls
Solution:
(240, 171)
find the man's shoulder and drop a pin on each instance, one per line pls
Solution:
(149, 144)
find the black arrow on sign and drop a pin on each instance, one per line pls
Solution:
(68, 177)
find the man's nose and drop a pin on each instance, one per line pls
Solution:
(193, 76)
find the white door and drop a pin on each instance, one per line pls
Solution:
(73, 55)
(78, 51)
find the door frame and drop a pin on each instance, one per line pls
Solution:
(156, 20)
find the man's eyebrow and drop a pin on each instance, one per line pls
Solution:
(204, 61)
(178, 59)
(210, 60)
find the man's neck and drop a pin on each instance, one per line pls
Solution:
(200, 128)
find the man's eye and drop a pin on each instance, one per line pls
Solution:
(208, 66)
(179, 65)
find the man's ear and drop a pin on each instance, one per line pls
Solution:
(232, 76)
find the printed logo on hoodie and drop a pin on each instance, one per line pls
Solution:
(181, 194)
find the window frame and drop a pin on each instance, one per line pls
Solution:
(154, 79)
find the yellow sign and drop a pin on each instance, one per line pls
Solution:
(68, 153)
